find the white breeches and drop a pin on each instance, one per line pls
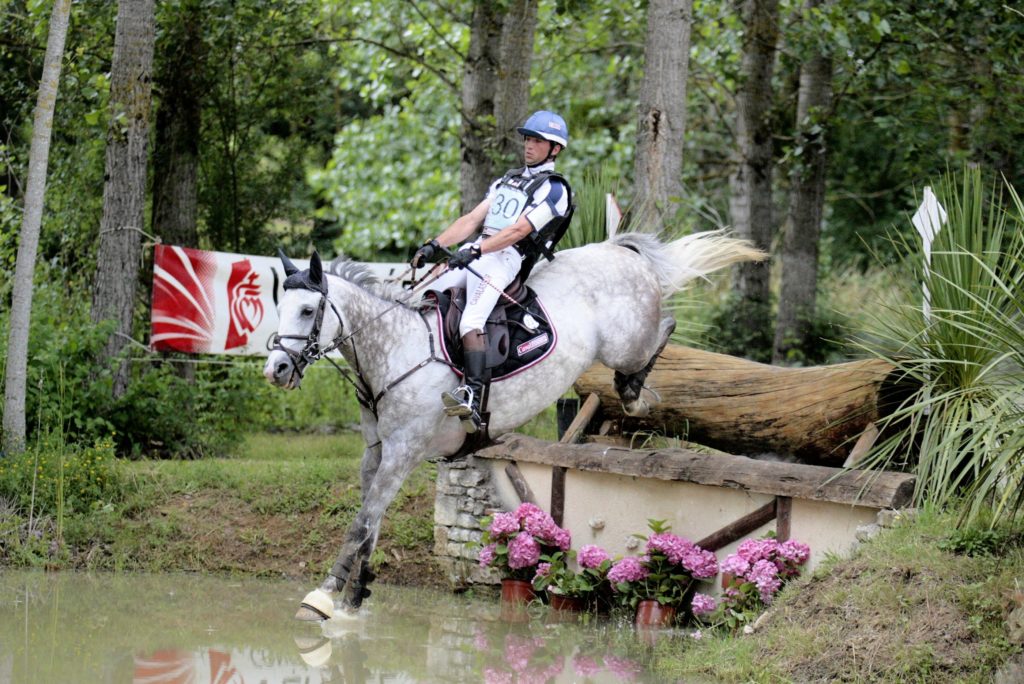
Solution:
(498, 269)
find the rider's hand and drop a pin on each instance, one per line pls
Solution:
(429, 252)
(463, 257)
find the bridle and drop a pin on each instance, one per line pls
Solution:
(311, 351)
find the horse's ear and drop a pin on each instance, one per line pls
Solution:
(289, 267)
(316, 271)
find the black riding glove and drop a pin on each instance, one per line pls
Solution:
(428, 253)
(463, 257)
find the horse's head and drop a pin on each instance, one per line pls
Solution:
(302, 323)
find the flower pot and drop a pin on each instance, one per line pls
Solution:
(650, 613)
(516, 591)
(572, 604)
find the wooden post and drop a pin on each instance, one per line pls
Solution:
(572, 435)
(738, 529)
(783, 517)
(520, 484)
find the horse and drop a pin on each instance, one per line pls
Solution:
(605, 300)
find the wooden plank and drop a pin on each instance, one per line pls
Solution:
(558, 494)
(582, 419)
(863, 446)
(817, 483)
(783, 517)
(738, 529)
(520, 484)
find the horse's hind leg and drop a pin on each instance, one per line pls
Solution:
(630, 385)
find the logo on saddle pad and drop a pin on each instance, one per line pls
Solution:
(528, 346)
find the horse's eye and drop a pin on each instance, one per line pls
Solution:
(307, 311)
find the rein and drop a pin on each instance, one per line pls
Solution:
(312, 351)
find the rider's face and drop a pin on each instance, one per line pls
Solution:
(535, 150)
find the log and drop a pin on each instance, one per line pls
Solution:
(744, 407)
(795, 480)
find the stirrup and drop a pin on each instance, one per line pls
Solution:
(458, 402)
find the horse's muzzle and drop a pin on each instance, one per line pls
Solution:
(280, 370)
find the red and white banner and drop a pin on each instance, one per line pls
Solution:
(219, 303)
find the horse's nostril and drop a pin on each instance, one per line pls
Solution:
(282, 368)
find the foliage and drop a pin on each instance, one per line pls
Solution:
(667, 572)
(583, 575)
(515, 541)
(960, 424)
(49, 475)
(975, 541)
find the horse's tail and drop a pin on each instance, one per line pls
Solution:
(694, 256)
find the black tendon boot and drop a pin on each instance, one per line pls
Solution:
(464, 401)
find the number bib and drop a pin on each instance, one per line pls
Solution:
(506, 206)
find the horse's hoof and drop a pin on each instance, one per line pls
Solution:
(318, 605)
(637, 409)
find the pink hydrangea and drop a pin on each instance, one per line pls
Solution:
(629, 569)
(591, 556)
(543, 570)
(539, 524)
(504, 523)
(585, 666)
(794, 551)
(703, 604)
(736, 564)
(487, 555)
(753, 550)
(765, 576)
(493, 675)
(700, 563)
(523, 551)
(672, 546)
(562, 538)
(528, 509)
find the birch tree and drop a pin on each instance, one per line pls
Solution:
(124, 191)
(24, 271)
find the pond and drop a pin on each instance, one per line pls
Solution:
(164, 629)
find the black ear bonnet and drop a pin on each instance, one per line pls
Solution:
(310, 279)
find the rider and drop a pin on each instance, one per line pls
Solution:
(507, 215)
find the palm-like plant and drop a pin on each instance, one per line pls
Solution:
(962, 428)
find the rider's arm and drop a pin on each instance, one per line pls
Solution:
(464, 226)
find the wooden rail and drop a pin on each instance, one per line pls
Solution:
(817, 483)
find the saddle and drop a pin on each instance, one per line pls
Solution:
(518, 335)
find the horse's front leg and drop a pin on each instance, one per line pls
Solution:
(351, 573)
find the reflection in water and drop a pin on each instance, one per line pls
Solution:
(183, 629)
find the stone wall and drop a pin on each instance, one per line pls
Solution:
(465, 494)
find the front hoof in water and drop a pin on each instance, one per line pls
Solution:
(317, 606)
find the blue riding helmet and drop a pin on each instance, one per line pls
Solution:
(546, 125)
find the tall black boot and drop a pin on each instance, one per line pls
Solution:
(464, 401)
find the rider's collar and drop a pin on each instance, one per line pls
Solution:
(547, 165)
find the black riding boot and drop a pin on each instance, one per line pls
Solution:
(464, 401)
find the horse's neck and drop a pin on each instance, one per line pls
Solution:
(376, 329)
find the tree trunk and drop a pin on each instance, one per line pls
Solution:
(478, 93)
(24, 270)
(513, 95)
(176, 147)
(799, 258)
(743, 407)
(662, 111)
(124, 189)
(750, 201)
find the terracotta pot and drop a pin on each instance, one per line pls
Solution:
(516, 591)
(573, 604)
(729, 580)
(650, 613)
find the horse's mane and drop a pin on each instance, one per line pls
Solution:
(361, 276)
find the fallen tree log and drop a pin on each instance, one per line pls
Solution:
(814, 414)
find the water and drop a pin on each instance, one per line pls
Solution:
(184, 629)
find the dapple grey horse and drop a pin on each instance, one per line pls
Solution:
(605, 301)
